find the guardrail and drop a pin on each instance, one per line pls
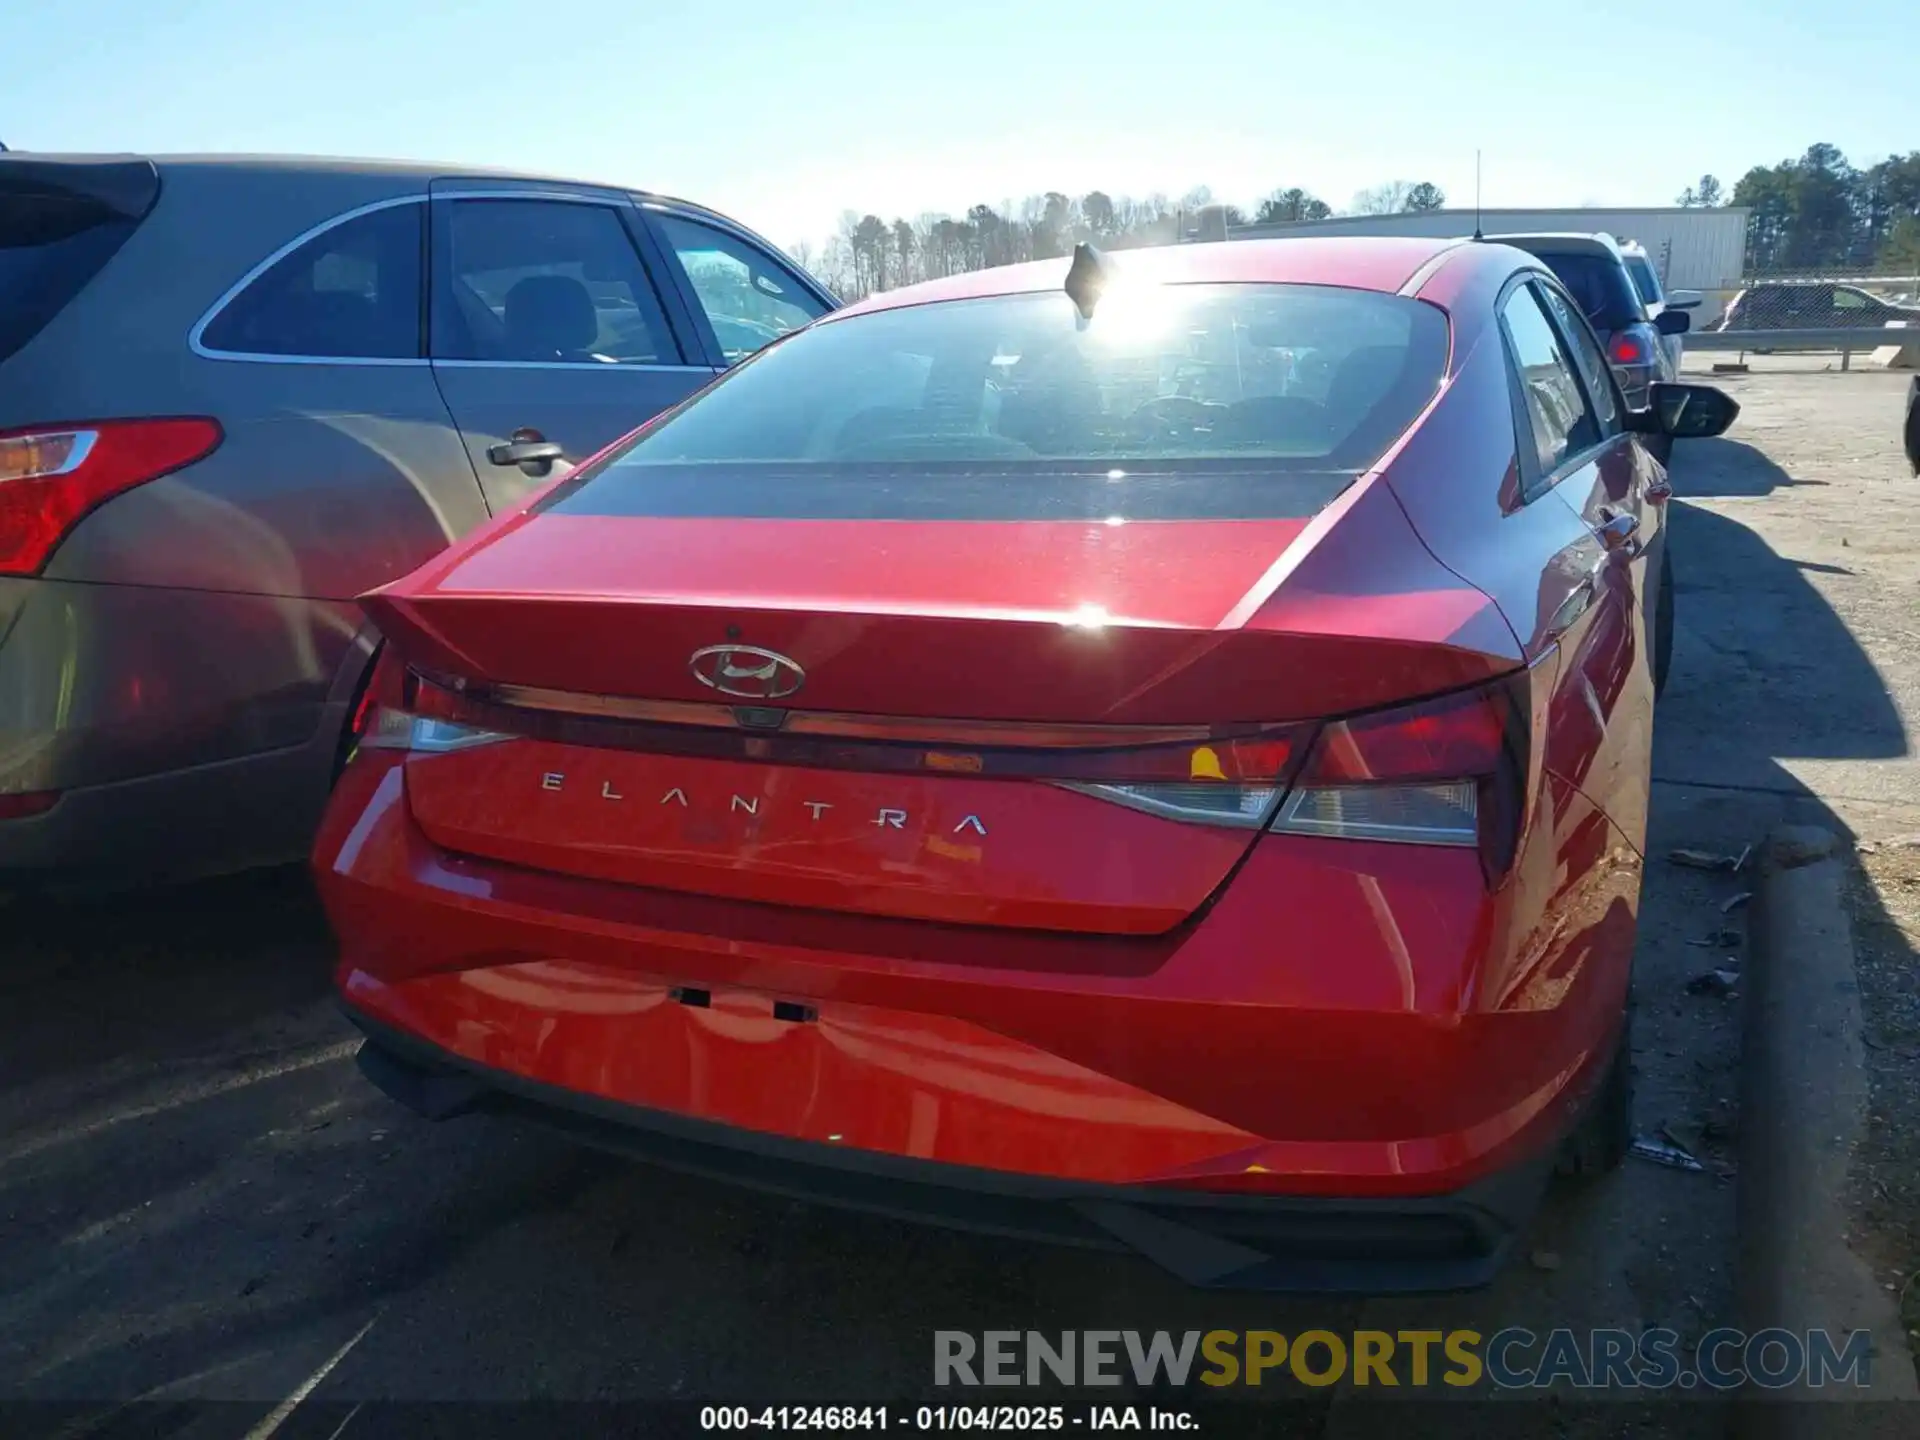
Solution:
(1845, 340)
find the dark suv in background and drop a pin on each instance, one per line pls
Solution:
(1594, 270)
(237, 392)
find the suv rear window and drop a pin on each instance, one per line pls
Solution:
(1599, 285)
(1003, 407)
(52, 242)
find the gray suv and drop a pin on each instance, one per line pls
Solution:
(237, 392)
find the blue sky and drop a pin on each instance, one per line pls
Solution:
(784, 115)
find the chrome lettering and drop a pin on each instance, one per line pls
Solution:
(675, 794)
(971, 820)
(551, 780)
(897, 819)
(607, 792)
(752, 807)
(816, 806)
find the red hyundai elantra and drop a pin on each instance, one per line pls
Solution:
(1148, 751)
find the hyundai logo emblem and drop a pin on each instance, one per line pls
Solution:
(746, 671)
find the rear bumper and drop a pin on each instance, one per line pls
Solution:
(1356, 1027)
(1301, 1245)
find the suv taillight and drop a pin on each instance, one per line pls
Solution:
(1449, 771)
(1628, 348)
(52, 476)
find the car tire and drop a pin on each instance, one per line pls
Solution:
(1663, 622)
(1605, 1133)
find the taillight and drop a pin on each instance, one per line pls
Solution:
(52, 476)
(26, 806)
(1222, 782)
(391, 714)
(1449, 771)
(1628, 349)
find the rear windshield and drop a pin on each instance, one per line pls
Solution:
(1175, 400)
(50, 247)
(1644, 280)
(1600, 285)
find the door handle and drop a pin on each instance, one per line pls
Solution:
(1617, 531)
(525, 448)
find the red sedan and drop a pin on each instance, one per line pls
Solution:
(1146, 750)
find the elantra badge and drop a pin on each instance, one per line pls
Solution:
(746, 671)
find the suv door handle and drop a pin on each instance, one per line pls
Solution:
(526, 448)
(1617, 531)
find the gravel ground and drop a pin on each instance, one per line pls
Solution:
(203, 1201)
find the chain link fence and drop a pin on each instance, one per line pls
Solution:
(1839, 298)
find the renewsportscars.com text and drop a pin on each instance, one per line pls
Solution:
(1510, 1359)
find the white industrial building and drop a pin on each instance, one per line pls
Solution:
(1692, 248)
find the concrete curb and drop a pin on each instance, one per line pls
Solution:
(1803, 1099)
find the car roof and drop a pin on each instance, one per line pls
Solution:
(1360, 262)
(239, 163)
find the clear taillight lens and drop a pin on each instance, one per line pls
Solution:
(1224, 782)
(389, 717)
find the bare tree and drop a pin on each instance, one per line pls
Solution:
(1387, 199)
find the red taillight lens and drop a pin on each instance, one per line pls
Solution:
(1448, 771)
(51, 476)
(23, 807)
(1627, 349)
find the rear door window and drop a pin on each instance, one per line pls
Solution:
(546, 282)
(1557, 416)
(749, 298)
(352, 292)
(1644, 280)
(1586, 350)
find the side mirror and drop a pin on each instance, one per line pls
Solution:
(1686, 412)
(1685, 300)
(1673, 322)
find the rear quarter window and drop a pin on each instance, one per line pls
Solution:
(351, 292)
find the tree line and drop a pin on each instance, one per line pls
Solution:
(1817, 212)
(868, 253)
(1821, 212)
